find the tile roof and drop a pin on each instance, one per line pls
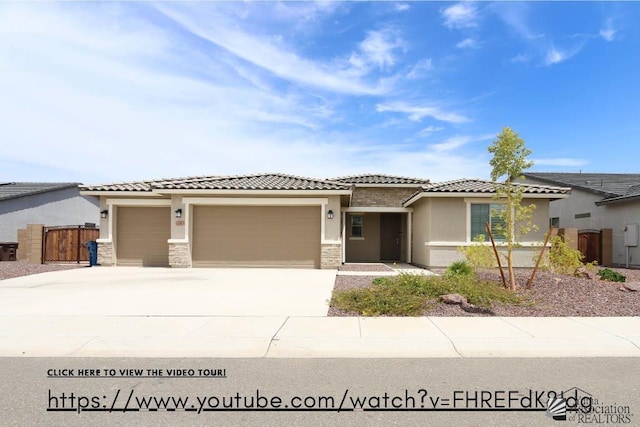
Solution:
(632, 193)
(267, 181)
(12, 190)
(607, 184)
(380, 179)
(481, 186)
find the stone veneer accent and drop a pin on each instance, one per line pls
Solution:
(381, 196)
(105, 253)
(179, 255)
(330, 255)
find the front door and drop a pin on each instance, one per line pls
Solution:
(390, 236)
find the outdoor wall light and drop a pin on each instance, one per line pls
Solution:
(104, 213)
(330, 214)
(178, 213)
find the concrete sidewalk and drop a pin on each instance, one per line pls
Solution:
(298, 336)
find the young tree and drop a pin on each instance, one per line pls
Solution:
(508, 163)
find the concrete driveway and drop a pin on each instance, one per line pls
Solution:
(132, 291)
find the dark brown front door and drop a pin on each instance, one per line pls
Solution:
(390, 236)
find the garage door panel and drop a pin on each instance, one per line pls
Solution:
(269, 236)
(142, 234)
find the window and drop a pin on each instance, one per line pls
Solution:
(356, 226)
(482, 213)
(554, 222)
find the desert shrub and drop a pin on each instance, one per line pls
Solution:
(410, 295)
(562, 258)
(386, 297)
(478, 254)
(459, 268)
(611, 276)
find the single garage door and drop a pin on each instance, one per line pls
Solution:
(256, 236)
(142, 234)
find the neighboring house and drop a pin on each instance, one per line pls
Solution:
(48, 203)
(289, 221)
(599, 201)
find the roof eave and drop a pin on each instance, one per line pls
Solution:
(34, 193)
(141, 193)
(617, 200)
(480, 195)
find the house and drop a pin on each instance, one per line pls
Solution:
(49, 203)
(599, 202)
(289, 221)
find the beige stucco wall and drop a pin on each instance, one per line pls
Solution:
(332, 226)
(442, 224)
(444, 256)
(420, 232)
(448, 219)
(366, 249)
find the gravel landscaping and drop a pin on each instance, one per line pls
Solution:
(552, 295)
(10, 269)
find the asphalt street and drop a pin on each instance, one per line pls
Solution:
(345, 392)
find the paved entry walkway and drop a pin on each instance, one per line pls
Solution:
(382, 269)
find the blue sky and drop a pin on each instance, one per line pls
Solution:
(103, 92)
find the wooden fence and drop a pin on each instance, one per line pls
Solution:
(67, 243)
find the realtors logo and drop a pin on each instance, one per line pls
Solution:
(583, 408)
(557, 409)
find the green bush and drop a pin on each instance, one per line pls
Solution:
(478, 254)
(459, 268)
(611, 276)
(562, 258)
(411, 295)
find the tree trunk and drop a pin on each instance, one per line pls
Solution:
(512, 277)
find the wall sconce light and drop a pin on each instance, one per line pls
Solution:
(104, 213)
(178, 213)
(330, 214)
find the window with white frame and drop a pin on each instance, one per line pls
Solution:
(481, 213)
(357, 228)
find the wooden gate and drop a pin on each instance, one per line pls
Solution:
(590, 245)
(66, 243)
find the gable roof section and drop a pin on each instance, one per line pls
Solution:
(267, 181)
(633, 193)
(13, 190)
(380, 179)
(477, 186)
(606, 184)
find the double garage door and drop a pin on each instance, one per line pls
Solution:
(256, 236)
(241, 236)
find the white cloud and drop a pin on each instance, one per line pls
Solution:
(515, 15)
(556, 56)
(467, 44)
(418, 112)
(420, 69)
(521, 57)
(377, 48)
(452, 143)
(608, 32)
(429, 130)
(401, 7)
(460, 15)
(280, 60)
